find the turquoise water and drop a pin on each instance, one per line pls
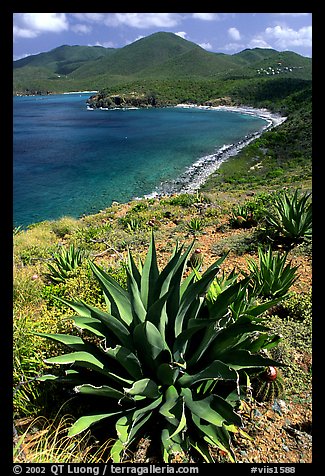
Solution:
(69, 161)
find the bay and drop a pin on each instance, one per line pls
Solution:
(70, 161)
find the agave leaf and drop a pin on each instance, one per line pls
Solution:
(176, 287)
(231, 336)
(47, 377)
(220, 306)
(213, 409)
(90, 324)
(145, 387)
(167, 374)
(134, 270)
(215, 435)
(257, 310)
(263, 341)
(148, 408)
(128, 426)
(150, 344)
(116, 451)
(102, 391)
(187, 281)
(118, 328)
(157, 314)
(72, 377)
(183, 339)
(182, 423)
(117, 296)
(204, 343)
(84, 422)
(216, 370)
(240, 359)
(171, 446)
(138, 308)
(150, 273)
(74, 342)
(203, 450)
(171, 399)
(191, 294)
(127, 359)
(172, 267)
(85, 359)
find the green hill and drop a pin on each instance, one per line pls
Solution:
(160, 56)
(64, 59)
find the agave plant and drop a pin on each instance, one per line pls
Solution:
(65, 261)
(162, 360)
(195, 225)
(292, 217)
(242, 216)
(272, 277)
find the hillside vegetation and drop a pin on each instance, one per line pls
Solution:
(161, 56)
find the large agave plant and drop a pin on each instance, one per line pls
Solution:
(163, 362)
(292, 217)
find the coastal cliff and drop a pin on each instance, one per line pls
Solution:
(144, 100)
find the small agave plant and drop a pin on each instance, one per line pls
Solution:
(163, 364)
(65, 261)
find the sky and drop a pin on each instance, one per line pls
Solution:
(228, 33)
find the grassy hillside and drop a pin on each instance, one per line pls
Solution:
(157, 56)
(64, 59)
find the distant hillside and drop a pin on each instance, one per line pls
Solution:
(160, 56)
(64, 59)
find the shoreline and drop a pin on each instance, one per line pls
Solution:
(197, 174)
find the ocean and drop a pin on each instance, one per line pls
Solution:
(69, 160)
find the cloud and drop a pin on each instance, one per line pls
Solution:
(31, 25)
(91, 17)
(81, 28)
(258, 42)
(233, 47)
(182, 34)
(134, 20)
(19, 32)
(234, 33)
(142, 20)
(292, 14)
(206, 46)
(285, 37)
(105, 44)
(206, 16)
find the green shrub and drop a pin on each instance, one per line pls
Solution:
(35, 244)
(195, 225)
(238, 244)
(242, 217)
(294, 350)
(163, 361)
(65, 262)
(291, 218)
(271, 277)
(65, 226)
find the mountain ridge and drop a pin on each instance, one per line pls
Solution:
(162, 55)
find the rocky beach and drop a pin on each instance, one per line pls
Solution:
(195, 175)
